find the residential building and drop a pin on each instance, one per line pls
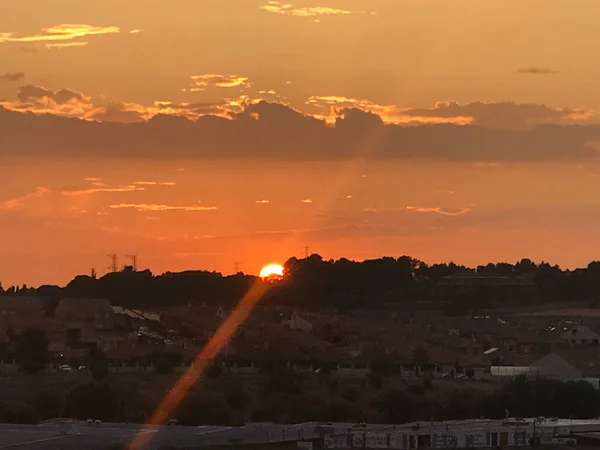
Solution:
(581, 335)
(91, 311)
(298, 323)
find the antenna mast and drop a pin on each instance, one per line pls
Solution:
(114, 267)
(133, 259)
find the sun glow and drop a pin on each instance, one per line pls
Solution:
(271, 270)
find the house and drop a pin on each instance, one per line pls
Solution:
(18, 313)
(581, 335)
(12, 307)
(85, 318)
(556, 367)
(133, 318)
(298, 323)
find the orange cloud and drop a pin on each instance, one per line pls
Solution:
(63, 32)
(287, 9)
(144, 207)
(202, 82)
(438, 210)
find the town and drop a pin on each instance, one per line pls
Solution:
(431, 345)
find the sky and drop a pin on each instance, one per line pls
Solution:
(215, 134)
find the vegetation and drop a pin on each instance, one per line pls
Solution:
(314, 283)
(228, 402)
(98, 365)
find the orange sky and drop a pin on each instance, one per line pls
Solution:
(262, 186)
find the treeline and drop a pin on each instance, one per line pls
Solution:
(337, 284)
(284, 397)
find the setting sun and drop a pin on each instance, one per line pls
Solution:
(271, 270)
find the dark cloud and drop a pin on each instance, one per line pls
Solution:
(536, 71)
(276, 131)
(12, 76)
(502, 115)
(60, 97)
(116, 112)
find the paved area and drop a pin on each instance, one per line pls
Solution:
(71, 435)
(83, 435)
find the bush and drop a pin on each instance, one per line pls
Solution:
(238, 398)
(416, 389)
(350, 394)
(163, 365)
(214, 371)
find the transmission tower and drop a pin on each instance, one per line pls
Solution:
(237, 265)
(306, 248)
(114, 267)
(133, 259)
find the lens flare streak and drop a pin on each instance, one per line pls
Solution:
(222, 336)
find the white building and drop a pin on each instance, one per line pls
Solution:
(298, 323)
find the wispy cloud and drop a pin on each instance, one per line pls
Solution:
(306, 200)
(12, 76)
(288, 9)
(154, 183)
(261, 202)
(98, 187)
(202, 82)
(536, 71)
(62, 32)
(95, 190)
(439, 210)
(136, 31)
(19, 201)
(145, 207)
(61, 45)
